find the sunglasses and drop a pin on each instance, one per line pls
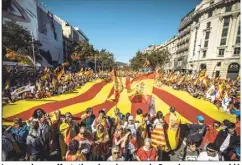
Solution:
(68, 116)
(210, 150)
(116, 153)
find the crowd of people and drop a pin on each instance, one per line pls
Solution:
(143, 137)
(115, 137)
(44, 83)
(224, 93)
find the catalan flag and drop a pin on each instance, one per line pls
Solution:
(96, 94)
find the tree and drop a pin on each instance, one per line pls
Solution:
(104, 59)
(155, 58)
(84, 50)
(158, 58)
(18, 39)
(138, 61)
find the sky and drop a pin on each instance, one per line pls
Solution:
(123, 26)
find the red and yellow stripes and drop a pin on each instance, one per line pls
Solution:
(158, 137)
(97, 94)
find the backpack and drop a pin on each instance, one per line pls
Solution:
(38, 143)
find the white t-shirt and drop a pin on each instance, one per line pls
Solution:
(203, 156)
(111, 159)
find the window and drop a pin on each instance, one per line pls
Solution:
(210, 14)
(238, 36)
(219, 64)
(236, 51)
(208, 25)
(204, 53)
(217, 73)
(221, 52)
(238, 40)
(223, 42)
(228, 8)
(207, 35)
(206, 44)
(225, 32)
(226, 21)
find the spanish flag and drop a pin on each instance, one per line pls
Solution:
(142, 88)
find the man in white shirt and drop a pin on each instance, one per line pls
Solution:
(210, 154)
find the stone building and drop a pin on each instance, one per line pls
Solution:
(215, 38)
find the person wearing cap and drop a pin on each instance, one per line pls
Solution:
(197, 131)
(173, 121)
(211, 154)
(227, 140)
(147, 152)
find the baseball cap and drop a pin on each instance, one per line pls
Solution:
(200, 119)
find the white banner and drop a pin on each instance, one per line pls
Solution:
(23, 89)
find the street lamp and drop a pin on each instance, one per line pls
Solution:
(32, 35)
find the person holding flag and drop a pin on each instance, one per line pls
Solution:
(173, 121)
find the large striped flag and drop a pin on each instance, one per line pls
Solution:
(95, 95)
(141, 88)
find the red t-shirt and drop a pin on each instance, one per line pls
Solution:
(147, 155)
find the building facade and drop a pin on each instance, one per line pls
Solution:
(215, 38)
(183, 41)
(171, 46)
(151, 48)
(70, 36)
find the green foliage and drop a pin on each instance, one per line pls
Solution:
(138, 61)
(156, 58)
(104, 59)
(18, 39)
(84, 50)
